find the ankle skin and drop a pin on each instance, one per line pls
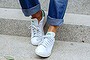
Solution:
(38, 16)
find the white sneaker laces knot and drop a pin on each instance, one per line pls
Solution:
(47, 41)
(35, 30)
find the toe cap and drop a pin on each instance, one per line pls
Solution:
(34, 41)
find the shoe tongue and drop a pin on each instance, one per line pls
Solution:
(52, 34)
(34, 22)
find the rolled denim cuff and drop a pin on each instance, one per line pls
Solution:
(54, 22)
(31, 11)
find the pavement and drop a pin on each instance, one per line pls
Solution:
(20, 48)
(76, 27)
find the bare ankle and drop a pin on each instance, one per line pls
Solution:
(52, 29)
(37, 15)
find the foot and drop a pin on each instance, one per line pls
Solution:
(37, 30)
(45, 48)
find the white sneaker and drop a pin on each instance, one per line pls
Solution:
(45, 48)
(37, 30)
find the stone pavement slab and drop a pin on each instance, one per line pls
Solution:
(20, 48)
(76, 27)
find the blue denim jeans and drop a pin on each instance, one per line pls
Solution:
(56, 11)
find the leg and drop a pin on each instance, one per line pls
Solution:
(55, 18)
(56, 13)
(30, 7)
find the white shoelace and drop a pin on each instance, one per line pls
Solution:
(46, 42)
(36, 31)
